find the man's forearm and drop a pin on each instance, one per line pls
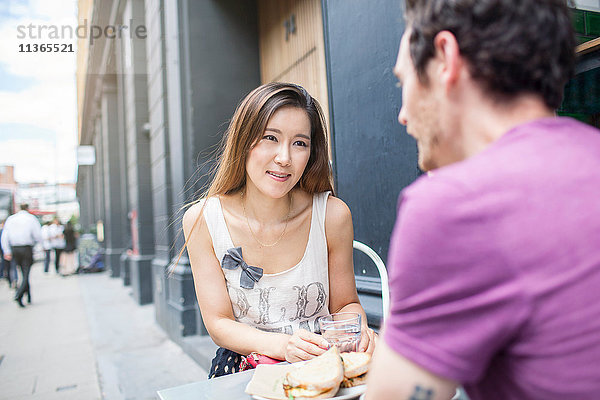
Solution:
(394, 377)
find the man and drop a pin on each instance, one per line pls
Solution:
(495, 257)
(21, 231)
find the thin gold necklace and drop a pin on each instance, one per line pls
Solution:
(287, 220)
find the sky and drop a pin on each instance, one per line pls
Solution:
(38, 109)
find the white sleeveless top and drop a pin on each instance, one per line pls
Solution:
(285, 301)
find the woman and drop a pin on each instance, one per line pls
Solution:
(46, 245)
(57, 241)
(270, 249)
(69, 265)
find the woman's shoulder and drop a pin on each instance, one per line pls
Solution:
(209, 208)
(195, 207)
(193, 213)
(228, 201)
(337, 214)
(337, 207)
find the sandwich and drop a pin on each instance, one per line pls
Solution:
(318, 378)
(356, 366)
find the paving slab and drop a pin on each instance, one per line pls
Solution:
(46, 347)
(85, 337)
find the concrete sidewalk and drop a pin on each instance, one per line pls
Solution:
(84, 337)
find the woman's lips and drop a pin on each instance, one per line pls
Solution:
(278, 176)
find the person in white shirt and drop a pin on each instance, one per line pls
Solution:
(8, 266)
(57, 240)
(46, 245)
(21, 232)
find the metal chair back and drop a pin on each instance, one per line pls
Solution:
(385, 289)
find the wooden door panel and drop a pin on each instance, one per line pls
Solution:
(293, 56)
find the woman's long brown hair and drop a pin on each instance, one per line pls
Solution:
(248, 125)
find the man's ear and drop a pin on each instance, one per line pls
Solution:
(450, 62)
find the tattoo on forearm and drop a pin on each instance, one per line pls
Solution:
(421, 393)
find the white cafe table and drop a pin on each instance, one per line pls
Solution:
(227, 387)
(223, 388)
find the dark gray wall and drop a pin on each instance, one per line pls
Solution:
(374, 158)
(138, 137)
(122, 114)
(202, 59)
(219, 59)
(85, 195)
(222, 71)
(98, 212)
(115, 210)
(137, 144)
(159, 152)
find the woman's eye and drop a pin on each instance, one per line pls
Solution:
(301, 143)
(270, 137)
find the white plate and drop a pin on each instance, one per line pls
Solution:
(342, 394)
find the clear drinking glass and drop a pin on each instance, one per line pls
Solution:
(341, 330)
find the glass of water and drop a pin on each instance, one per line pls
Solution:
(341, 330)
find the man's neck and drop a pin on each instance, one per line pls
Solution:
(487, 121)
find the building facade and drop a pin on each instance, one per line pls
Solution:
(155, 99)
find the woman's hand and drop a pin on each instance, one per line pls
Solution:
(304, 345)
(368, 339)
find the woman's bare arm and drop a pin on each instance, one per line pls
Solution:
(215, 304)
(342, 285)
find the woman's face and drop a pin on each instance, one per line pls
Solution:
(277, 160)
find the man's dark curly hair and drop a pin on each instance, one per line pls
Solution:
(511, 46)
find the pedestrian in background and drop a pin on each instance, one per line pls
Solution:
(57, 241)
(68, 264)
(7, 266)
(494, 260)
(21, 232)
(46, 245)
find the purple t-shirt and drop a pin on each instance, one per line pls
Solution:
(494, 267)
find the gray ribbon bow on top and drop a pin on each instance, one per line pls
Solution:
(233, 259)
